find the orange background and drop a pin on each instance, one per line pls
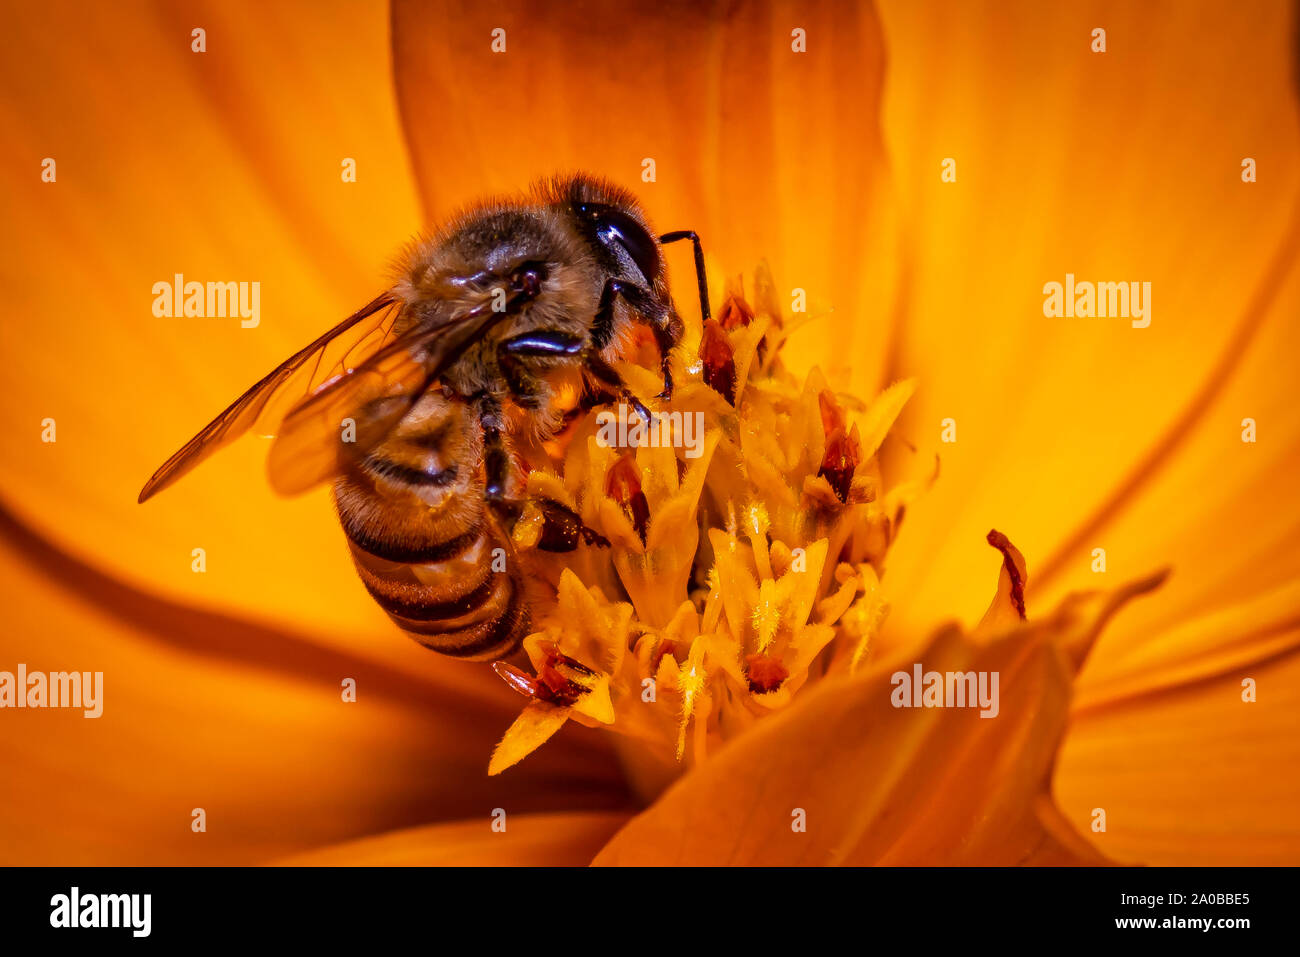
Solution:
(1072, 434)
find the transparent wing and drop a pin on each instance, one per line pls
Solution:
(343, 420)
(263, 405)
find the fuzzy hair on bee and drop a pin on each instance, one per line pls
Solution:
(465, 264)
(420, 407)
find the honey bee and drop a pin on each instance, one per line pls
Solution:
(420, 405)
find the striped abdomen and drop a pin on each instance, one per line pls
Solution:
(422, 539)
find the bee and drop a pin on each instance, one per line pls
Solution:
(420, 406)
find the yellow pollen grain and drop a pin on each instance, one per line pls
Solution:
(766, 615)
(757, 524)
(528, 530)
(691, 683)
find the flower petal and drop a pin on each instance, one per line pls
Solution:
(764, 151)
(247, 722)
(230, 170)
(880, 784)
(1187, 770)
(536, 725)
(532, 840)
(1074, 434)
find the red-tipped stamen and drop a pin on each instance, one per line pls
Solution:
(719, 361)
(623, 485)
(843, 450)
(765, 673)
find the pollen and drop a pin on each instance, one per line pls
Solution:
(767, 614)
(724, 583)
(692, 686)
(528, 530)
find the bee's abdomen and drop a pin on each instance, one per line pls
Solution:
(459, 606)
(426, 548)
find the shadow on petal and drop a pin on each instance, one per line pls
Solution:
(222, 166)
(247, 722)
(529, 840)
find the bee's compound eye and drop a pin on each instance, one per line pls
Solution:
(617, 230)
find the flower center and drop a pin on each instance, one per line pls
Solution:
(734, 577)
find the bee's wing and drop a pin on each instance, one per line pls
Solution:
(347, 417)
(359, 370)
(263, 404)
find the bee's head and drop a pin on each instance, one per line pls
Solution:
(488, 258)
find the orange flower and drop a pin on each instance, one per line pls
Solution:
(1072, 435)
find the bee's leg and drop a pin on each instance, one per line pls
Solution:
(561, 526)
(607, 374)
(553, 344)
(540, 343)
(588, 402)
(701, 279)
(663, 321)
(496, 457)
(510, 355)
(667, 335)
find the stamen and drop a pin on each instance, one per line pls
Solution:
(1003, 544)
(843, 451)
(832, 415)
(691, 681)
(757, 525)
(748, 631)
(765, 673)
(719, 361)
(665, 647)
(516, 678)
(623, 485)
(735, 312)
(550, 685)
(766, 616)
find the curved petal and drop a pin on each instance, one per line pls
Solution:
(224, 165)
(529, 840)
(1193, 748)
(1232, 640)
(1180, 774)
(247, 722)
(1233, 545)
(1075, 434)
(766, 152)
(874, 781)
